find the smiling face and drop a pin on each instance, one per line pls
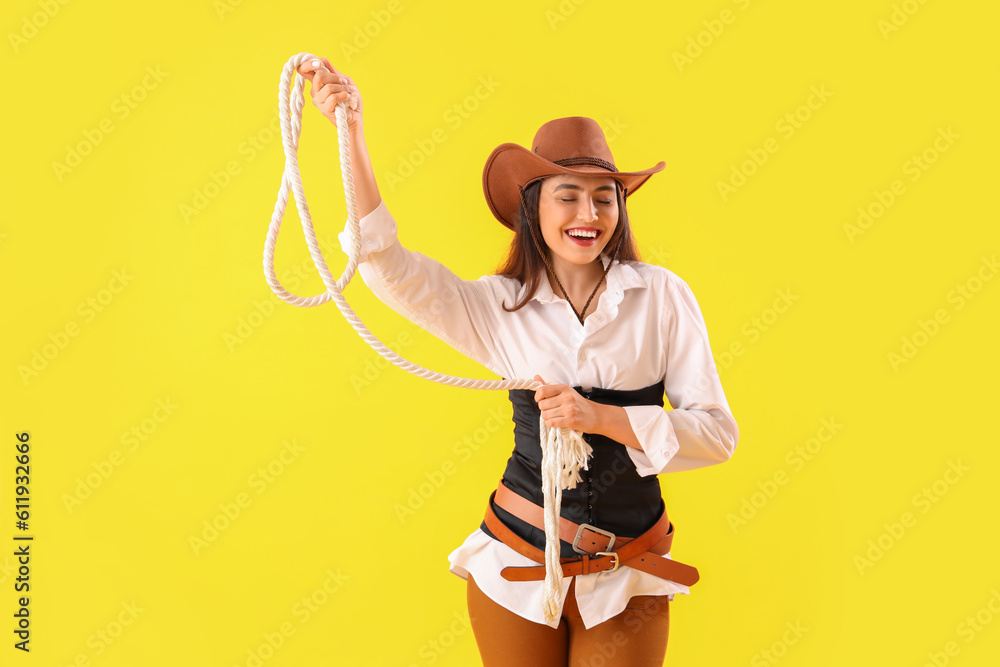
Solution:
(578, 215)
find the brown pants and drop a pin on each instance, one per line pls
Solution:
(637, 637)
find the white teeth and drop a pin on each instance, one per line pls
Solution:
(582, 234)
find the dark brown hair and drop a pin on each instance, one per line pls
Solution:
(523, 262)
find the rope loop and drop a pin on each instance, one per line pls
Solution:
(564, 451)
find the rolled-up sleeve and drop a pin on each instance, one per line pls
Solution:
(700, 429)
(424, 291)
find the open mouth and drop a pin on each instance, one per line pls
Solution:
(583, 235)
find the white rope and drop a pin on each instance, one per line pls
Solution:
(564, 451)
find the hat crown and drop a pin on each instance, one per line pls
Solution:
(570, 138)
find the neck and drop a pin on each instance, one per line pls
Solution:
(578, 280)
(577, 277)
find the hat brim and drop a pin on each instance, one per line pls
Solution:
(510, 165)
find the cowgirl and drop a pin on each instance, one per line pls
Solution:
(572, 307)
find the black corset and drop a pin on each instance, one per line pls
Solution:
(612, 495)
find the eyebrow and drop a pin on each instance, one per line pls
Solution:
(573, 186)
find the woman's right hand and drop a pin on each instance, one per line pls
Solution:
(329, 89)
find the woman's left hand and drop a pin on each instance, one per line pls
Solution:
(562, 406)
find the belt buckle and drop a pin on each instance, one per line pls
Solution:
(610, 553)
(599, 531)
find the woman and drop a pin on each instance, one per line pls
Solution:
(573, 308)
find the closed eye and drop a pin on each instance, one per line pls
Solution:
(606, 202)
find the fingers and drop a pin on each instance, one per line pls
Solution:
(330, 89)
(568, 410)
(561, 414)
(330, 94)
(351, 88)
(313, 70)
(330, 82)
(545, 391)
(553, 395)
(307, 68)
(562, 406)
(550, 390)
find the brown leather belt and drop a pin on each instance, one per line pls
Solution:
(600, 550)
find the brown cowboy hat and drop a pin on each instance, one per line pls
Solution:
(574, 145)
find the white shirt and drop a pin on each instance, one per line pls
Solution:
(647, 326)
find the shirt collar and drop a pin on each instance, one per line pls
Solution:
(620, 277)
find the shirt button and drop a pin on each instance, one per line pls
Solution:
(583, 356)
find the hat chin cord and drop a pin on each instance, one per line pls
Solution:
(564, 451)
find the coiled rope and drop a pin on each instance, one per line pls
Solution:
(564, 451)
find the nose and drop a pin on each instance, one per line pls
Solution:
(588, 210)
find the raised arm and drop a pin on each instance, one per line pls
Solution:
(329, 89)
(460, 312)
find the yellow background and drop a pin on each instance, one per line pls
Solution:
(371, 440)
